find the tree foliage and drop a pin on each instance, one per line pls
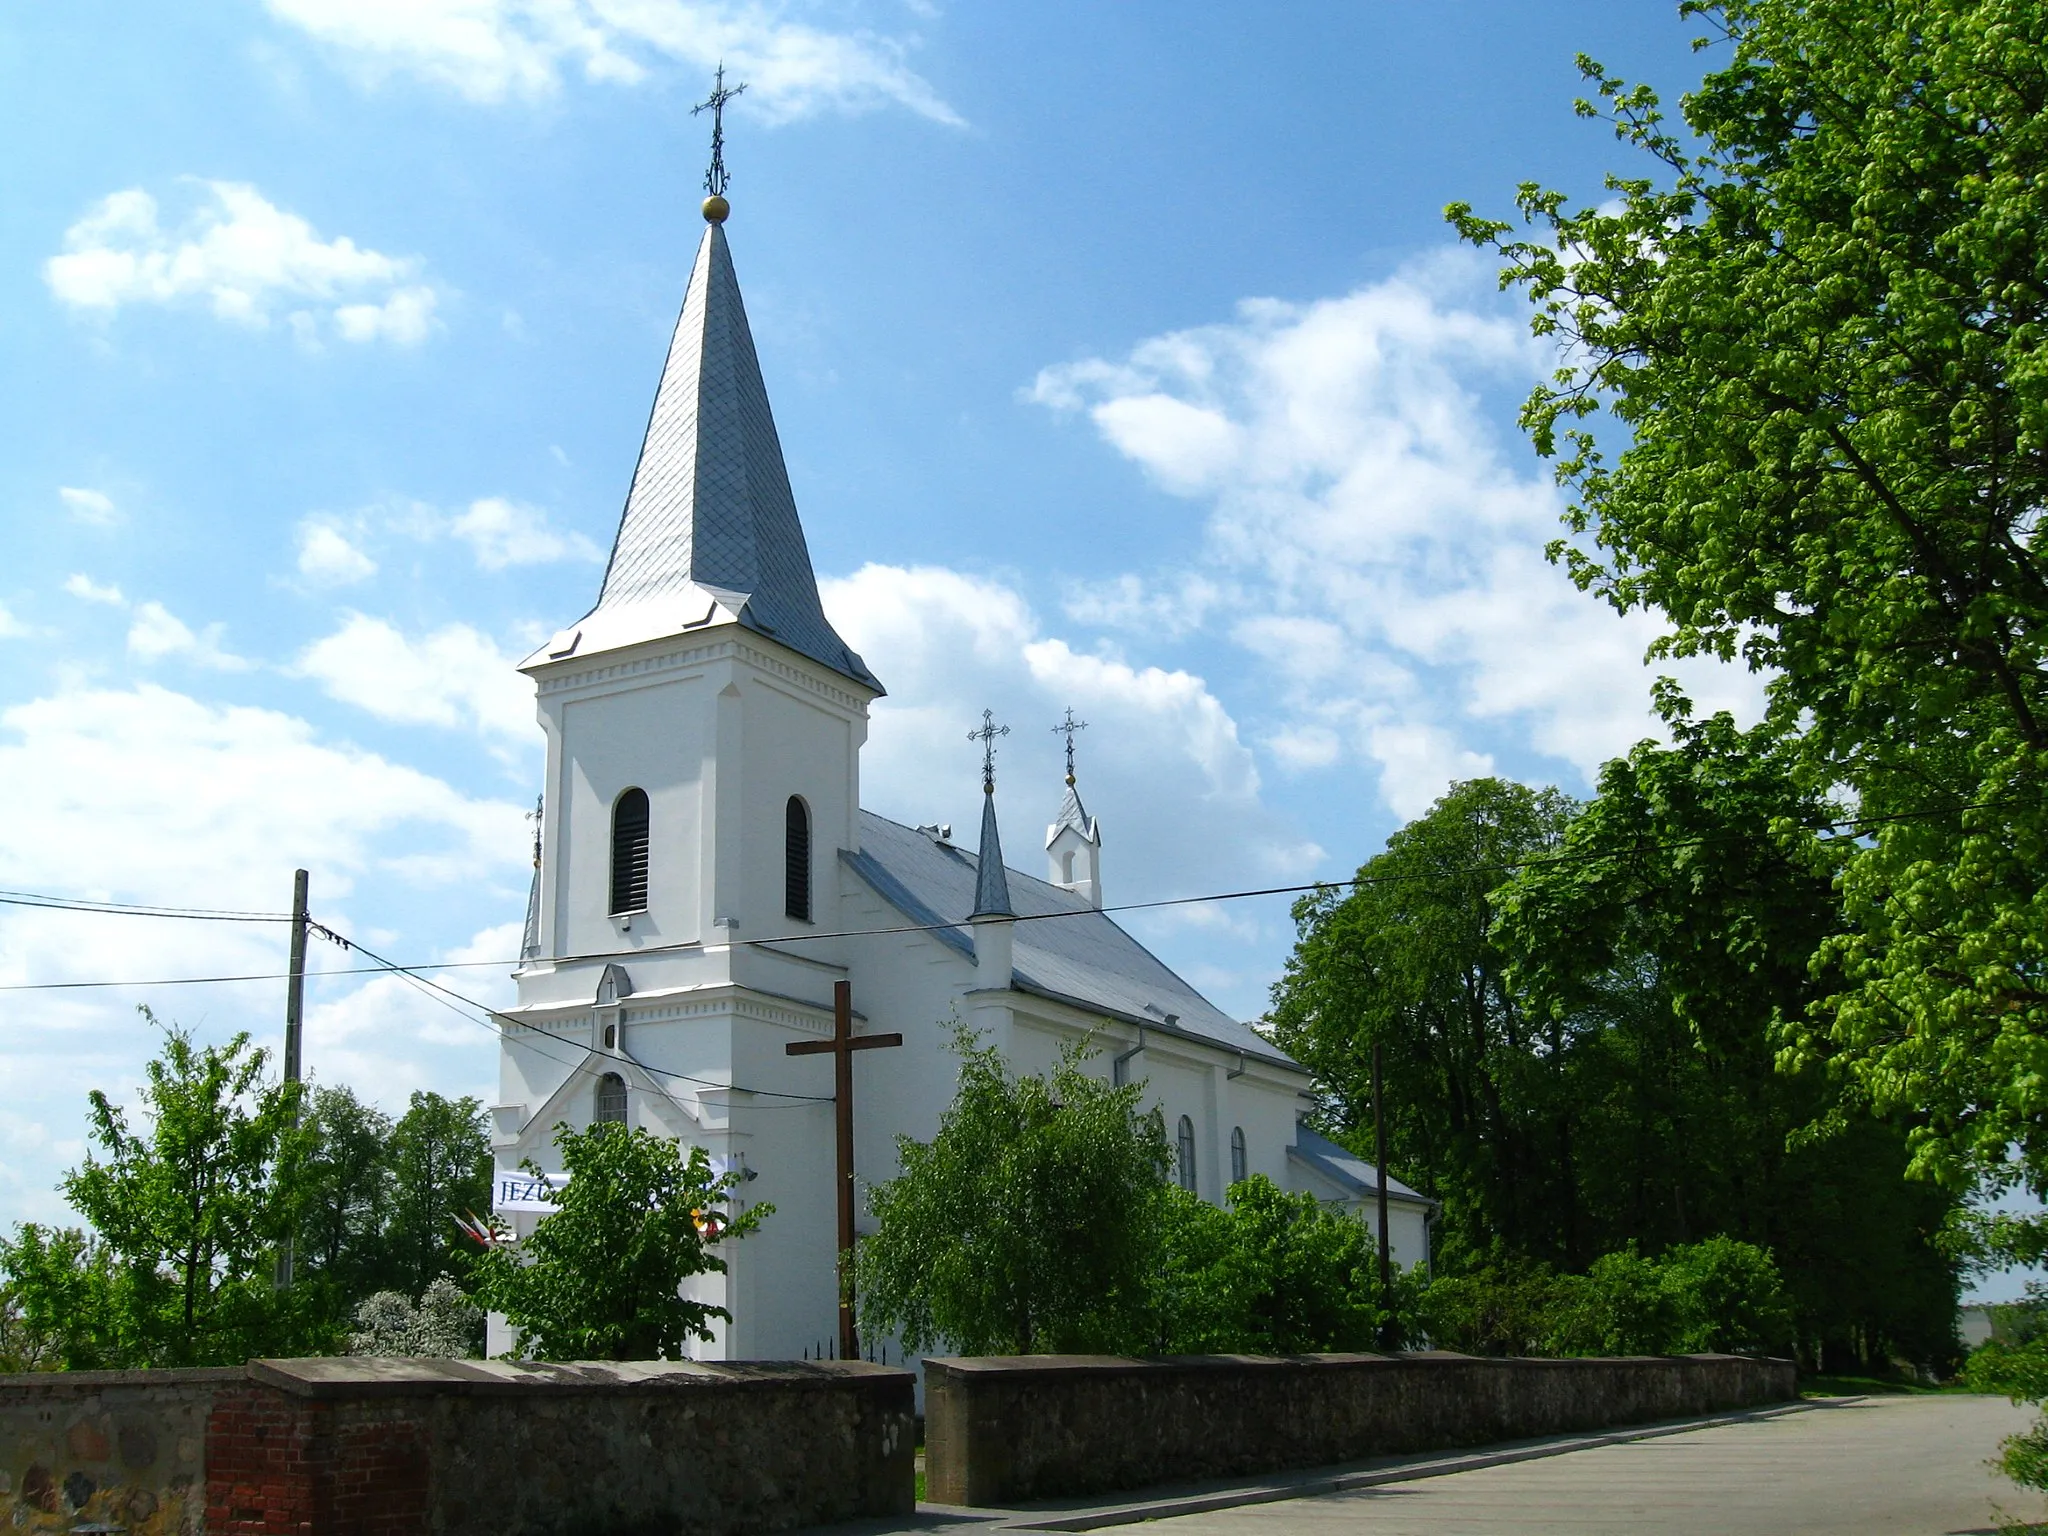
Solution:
(1270, 1273)
(601, 1277)
(1637, 956)
(1816, 323)
(186, 1215)
(1028, 1223)
(1408, 959)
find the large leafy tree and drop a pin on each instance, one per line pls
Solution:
(187, 1213)
(440, 1169)
(346, 1194)
(601, 1276)
(1801, 406)
(1676, 933)
(1029, 1223)
(1406, 959)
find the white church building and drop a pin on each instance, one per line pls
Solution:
(707, 875)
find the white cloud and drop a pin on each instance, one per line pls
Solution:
(156, 632)
(1380, 559)
(1161, 764)
(327, 558)
(11, 628)
(94, 508)
(489, 50)
(243, 257)
(81, 586)
(455, 676)
(503, 533)
(149, 795)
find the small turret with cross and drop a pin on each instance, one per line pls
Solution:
(1073, 843)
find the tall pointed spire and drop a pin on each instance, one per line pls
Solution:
(710, 533)
(991, 881)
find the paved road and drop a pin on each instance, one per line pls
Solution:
(1870, 1465)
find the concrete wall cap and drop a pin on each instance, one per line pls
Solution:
(382, 1376)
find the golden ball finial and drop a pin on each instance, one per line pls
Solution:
(715, 209)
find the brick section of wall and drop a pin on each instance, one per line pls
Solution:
(1001, 1431)
(357, 1447)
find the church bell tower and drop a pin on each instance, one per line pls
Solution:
(704, 724)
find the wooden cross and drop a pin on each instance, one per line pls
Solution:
(841, 1046)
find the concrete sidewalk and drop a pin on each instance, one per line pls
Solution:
(1863, 1465)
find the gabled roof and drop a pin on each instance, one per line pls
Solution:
(710, 532)
(1064, 948)
(1073, 814)
(1346, 1169)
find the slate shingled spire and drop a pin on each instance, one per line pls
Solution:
(991, 881)
(710, 531)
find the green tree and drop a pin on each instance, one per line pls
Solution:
(600, 1277)
(346, 1195)
(1407, 959)
(1027, 1224)
(1273, 1274)
(1814, 325)
(186, 1218)
(1681, 929)
(440, 1160)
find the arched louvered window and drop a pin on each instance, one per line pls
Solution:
(611, 1100)
(796, 856)
(1184, 1150)
(629, 852)
(1240, 1168)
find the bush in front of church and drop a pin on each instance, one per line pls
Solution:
(1274, 1273)
(599, 1278)
(1028, 1224)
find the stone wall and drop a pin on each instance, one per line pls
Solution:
(362, 1447)
(1002, 1431)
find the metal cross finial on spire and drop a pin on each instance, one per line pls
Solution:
(715, 179)
(987, 735)
(1067, 728)
(539, 802)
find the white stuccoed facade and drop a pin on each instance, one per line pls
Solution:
(708, 678)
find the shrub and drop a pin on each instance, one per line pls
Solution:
(1726, 1297)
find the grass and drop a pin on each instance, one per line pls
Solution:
(1871, 1386)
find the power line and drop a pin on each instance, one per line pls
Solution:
(138, 909)
(1504, 867)
(450, 999)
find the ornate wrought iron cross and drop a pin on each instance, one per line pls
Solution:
(539, 804)
(1067, 728)
(987, 735)
(715, 179)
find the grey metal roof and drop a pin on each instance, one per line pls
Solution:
(1064, 948)
(1346, 1169)
(710, 517)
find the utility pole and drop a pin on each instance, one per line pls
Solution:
(294, 1013)
(1379, 1152)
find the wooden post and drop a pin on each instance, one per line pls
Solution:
(1379, 1152)
(294, 1014)
(842, 1045)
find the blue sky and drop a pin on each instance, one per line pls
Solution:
(1120, 355)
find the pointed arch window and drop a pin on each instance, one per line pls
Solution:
(1239, 1162)
(629, 852)
(1184, 1158)
(796, 856)
(611, 1100)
